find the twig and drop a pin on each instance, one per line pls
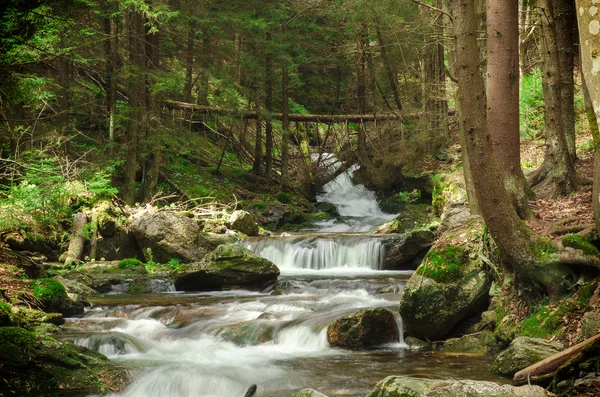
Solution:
(434, 9)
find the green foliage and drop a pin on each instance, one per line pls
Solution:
(544, 249)
(578, 241)
(531, 106)
(49, 291)
(444, 265)
(173, 265)
(541, 324)
(129, 263)
(283, 197)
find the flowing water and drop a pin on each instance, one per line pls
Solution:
(218, 344)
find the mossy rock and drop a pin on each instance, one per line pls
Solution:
(227, 265)
(402, 386)
(444, 265)
(34, 365)
(523, 352)
(430, 310)
(363, 328)
(308, 393)
(580, 242)
(53, 296)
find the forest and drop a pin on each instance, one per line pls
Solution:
(299, 198)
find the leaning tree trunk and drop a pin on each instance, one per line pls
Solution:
(557, 173)
(503, 106)
(508, 231)
(589, 41)
(77, 242)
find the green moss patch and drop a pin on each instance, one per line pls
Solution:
(129, 263)
(578, 241)
(444, 265)
(49, 291)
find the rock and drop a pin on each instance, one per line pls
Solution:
(120, 244)
(169, 235)
(430, 309)
(35, 365)
(389, 228)
(455, 213)
(33, 242)
(327, 208)
(53, 297)
(416, 343)
(227, 265)
(464, 344)
(403, 249)
(363, 328)
(402, 386)
(243, 222)
(414, 215)
(103, 275)
(77, 292)
(308, 393)
(471, 388)
(405, 386)
(523, 352)
(590, 325)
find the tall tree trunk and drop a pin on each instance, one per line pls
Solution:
(564, 12)
(152, 164)
(189, 64)
(112, 63)
(361, 88)
(285, 120)
(508, 231)
(137, 59)
(389, 69)
(205, 60)
(503, 106)
(589, 41)
(64, 72)
(269, 106)
(557, 173)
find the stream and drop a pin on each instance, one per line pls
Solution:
(217, 344)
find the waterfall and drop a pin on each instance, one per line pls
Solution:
(320, 252)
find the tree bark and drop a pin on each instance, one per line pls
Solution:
(589, 41)
(558, 170)
(361, 87)
(389, 69)
(136, 32)
(503, 106)
(189, 64)
(203, 83)
(269, 106)
(285, 120)
(564, 12)
(508, 231)
(152, 126)
(77, 242)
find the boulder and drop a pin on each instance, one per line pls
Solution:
(35, 365)
(405, 386)
(403, 249)
(170, 235)
(308, 393)
(364, 328)
(227, 265)
(416, 343)
(472, 388)
(243, 222)
(402, 386)
(120, 244)
(103, 275)
(523, 352)
(468, 343)
(53, 297)
(430, 309)
(590, 325)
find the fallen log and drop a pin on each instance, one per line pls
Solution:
(547, 366)
(310, 118)
(77, 242)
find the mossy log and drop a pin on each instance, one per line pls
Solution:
(543, 368)
(77, 243)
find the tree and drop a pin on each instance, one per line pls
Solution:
(512, 236)
(589, 39)
(503, 105)
(557, 173)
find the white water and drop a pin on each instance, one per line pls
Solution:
(357, 205)
(343, 252)
(218, 344)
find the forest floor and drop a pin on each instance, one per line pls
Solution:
(554, 218)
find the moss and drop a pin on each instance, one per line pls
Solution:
(138, 287)
(444, 265)
(544, 249)
(578, 241)
(49, 291)
(5, 314)
(283, 197)
(129, 263)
